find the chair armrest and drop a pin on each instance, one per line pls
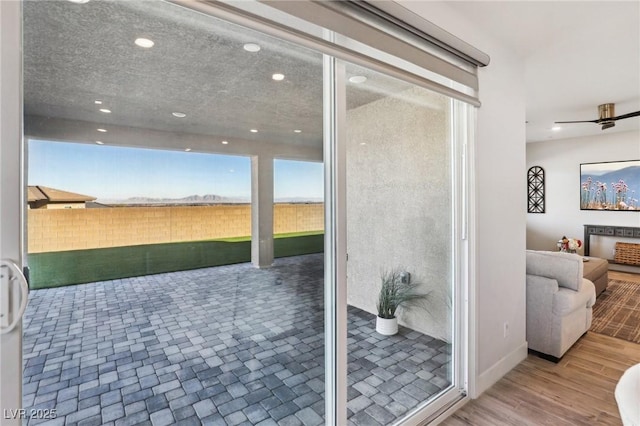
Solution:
(567, 301)
(627, 394)
(541, 292)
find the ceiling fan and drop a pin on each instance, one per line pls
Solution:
(607, 117)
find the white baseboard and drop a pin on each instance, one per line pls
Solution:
(500, 368)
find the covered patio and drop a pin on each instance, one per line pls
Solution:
(225, 345)
(243, 343)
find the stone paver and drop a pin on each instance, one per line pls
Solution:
(225, 345)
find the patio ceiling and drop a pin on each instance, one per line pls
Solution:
(75, 54)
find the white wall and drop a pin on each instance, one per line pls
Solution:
(399, 198)
(500, 193)
(561, 160)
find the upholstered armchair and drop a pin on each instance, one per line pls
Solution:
(628, 396)
(559, 301)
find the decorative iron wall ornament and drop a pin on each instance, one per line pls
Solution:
(535, 189)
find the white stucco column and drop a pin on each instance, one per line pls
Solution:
(262, 211)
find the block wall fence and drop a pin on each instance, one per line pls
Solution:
(77, 229)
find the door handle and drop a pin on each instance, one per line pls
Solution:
(13, 285)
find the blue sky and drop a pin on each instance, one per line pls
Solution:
(109, 172)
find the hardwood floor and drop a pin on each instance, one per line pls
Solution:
(576, 391)
(617, 275)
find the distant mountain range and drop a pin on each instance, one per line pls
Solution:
(200, 199)
(191, 199)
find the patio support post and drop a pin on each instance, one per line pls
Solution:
(262, 211)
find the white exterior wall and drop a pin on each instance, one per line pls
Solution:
(399, 196)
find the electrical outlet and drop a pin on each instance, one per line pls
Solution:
(506, 329)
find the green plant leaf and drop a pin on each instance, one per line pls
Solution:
(394, 294)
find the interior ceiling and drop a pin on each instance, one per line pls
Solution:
(75, 54)
(577, 55)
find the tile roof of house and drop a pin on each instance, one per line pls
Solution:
(43, 193)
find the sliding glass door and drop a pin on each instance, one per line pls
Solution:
(284, 332)
(401, 227)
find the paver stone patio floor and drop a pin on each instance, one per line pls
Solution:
(223, 346)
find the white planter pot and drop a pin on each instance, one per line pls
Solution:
(386, 327)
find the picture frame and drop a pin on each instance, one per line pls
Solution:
(610, 186)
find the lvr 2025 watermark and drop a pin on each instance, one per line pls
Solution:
(21, 413)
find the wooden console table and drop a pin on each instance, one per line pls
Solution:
(608, 231)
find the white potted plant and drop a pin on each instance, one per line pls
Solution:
(397, 291)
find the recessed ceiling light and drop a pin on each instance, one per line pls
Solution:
(179, 114)
(278, 77)
(106, 111)
(254, 130)
(297, 131)
(252, 47)
(144, 42)
(363, 143)
(97, 102)
(357, 79)
(556, 128)
(187, 149)
(79, 1)
(102, 130)
(100, 142)
(225, 142)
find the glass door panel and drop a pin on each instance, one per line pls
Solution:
(156, 127)
(400, 198)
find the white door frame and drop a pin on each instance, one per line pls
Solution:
(11, 196)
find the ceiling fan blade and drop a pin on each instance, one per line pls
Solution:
(631, 114)
(583, 121)
(606, 121)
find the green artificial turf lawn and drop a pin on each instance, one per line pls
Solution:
(57, 269)
(276, 236)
